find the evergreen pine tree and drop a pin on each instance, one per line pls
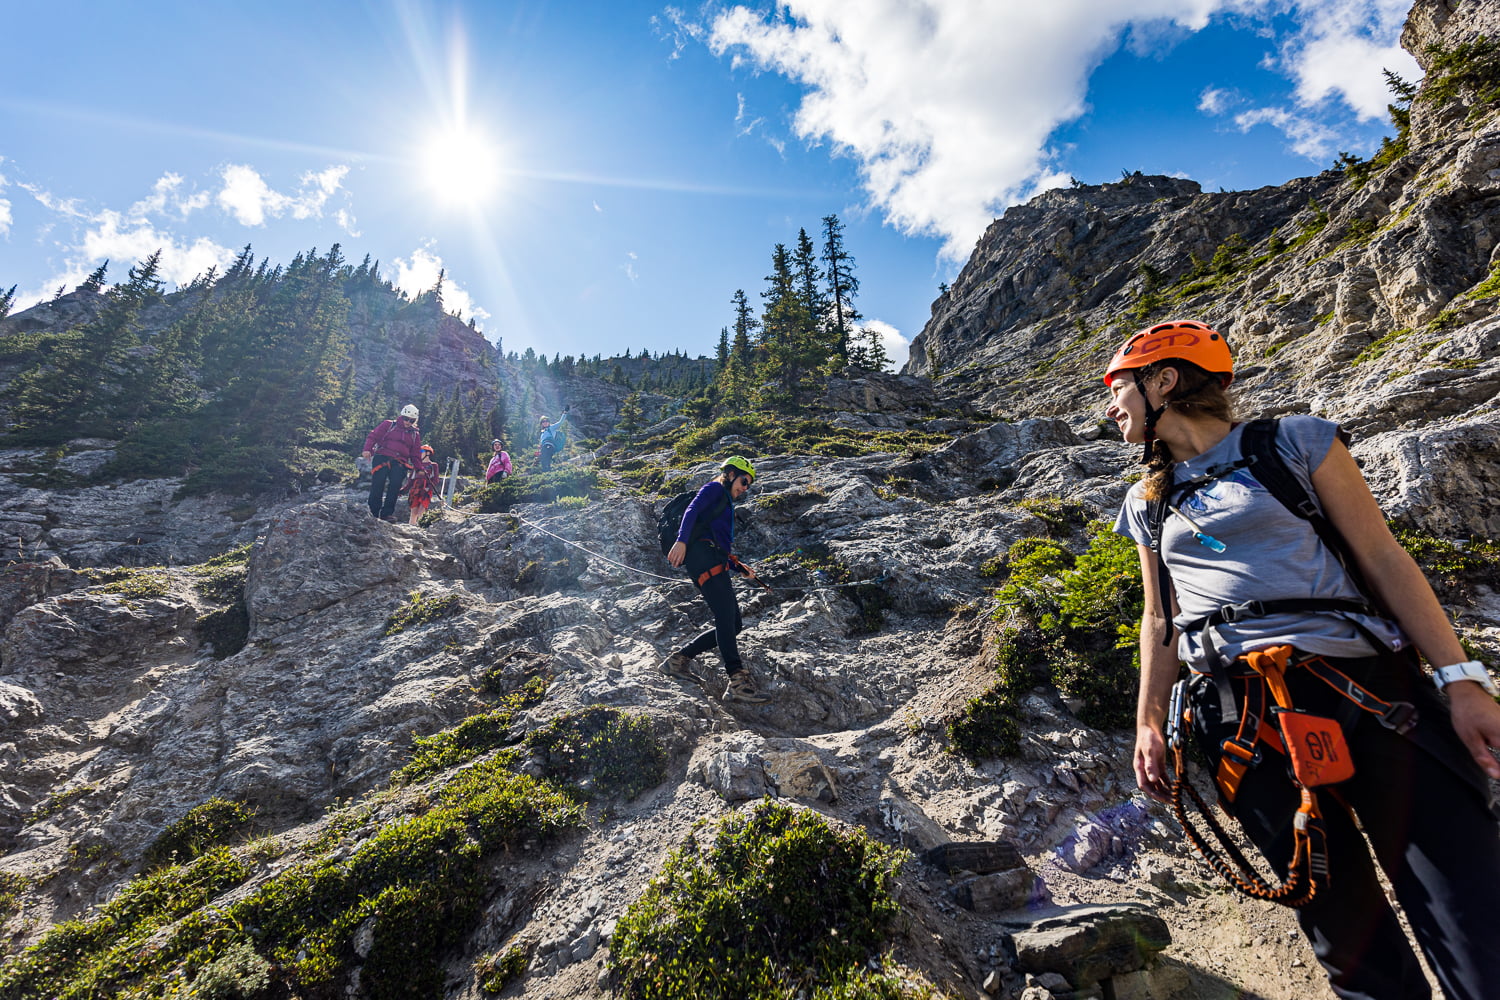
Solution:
(787, 351)
(809, 289)
(629, 421)
(842, 286)
(75, 390)
(95, 281)
(7, 299)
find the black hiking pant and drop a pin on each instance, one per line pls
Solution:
(545, 462)
(1434, 834)
(718, 594)
(385, 486)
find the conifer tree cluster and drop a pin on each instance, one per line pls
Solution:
(808, 328)
(249, 388)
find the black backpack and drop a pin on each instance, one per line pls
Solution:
(669, 521)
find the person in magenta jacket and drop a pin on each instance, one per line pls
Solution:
(499, 466)
(394, 447)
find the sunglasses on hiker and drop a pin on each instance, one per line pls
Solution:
(747, 480)
(408, 420)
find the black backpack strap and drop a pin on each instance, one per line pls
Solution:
(1258, 444)
(1156, 516)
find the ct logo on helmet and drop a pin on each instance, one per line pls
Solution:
(1179, 338)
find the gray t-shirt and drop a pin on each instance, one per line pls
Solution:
(1270, 554)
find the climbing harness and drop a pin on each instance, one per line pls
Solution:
(1319, 756)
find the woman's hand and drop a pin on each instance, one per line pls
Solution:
(1151, 763)
(677, 553)
(1476, 719)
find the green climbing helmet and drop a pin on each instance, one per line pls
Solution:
(741, 463)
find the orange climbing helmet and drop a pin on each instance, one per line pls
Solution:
(1177, 338)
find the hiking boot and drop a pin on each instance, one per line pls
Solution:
(742, 688)
(679, 666)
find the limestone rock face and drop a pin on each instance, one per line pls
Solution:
(871, 628)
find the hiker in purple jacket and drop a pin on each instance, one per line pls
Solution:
(394, 448)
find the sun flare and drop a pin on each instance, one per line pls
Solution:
(461, 166)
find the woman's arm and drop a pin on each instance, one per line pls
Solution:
(1399, 583)
(1159, 669)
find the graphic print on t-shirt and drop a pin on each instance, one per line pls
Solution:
(1233, 491)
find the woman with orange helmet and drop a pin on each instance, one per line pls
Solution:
(1249, 590)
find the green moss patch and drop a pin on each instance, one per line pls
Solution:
(1062, 517)
(143, 584)
(536, 487)
(421, 610)
(774, 902)
(215, 823)
(474, 737)
(1453, 568)
(416, 886)
(11, 888)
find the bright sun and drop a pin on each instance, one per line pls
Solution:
(461, 166)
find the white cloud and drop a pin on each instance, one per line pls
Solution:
(124, 238)
(125, 241)
(629, 266)
(897, 347)
(347, 222)
(420, 273)
(166, 196)
(5, 217)
(1342, 47)
(1308, 136)
(742, 122)
(947, 106)
(248, 198)
(62, 206)
(1214, 101)
(674, 26)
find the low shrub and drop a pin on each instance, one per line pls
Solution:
(536, 487)
(987, 727)
(418, 883)
(777, 902)
(1071, 621)
(496, 972)
(600, 751)
(474, 737)
(420, 610)
(215, 823)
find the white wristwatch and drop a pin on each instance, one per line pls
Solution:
(1469, 670)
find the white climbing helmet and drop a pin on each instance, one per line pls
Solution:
(409, 411)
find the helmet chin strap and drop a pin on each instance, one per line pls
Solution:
(1153, 414)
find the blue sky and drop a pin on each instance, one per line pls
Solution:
(601, 176)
